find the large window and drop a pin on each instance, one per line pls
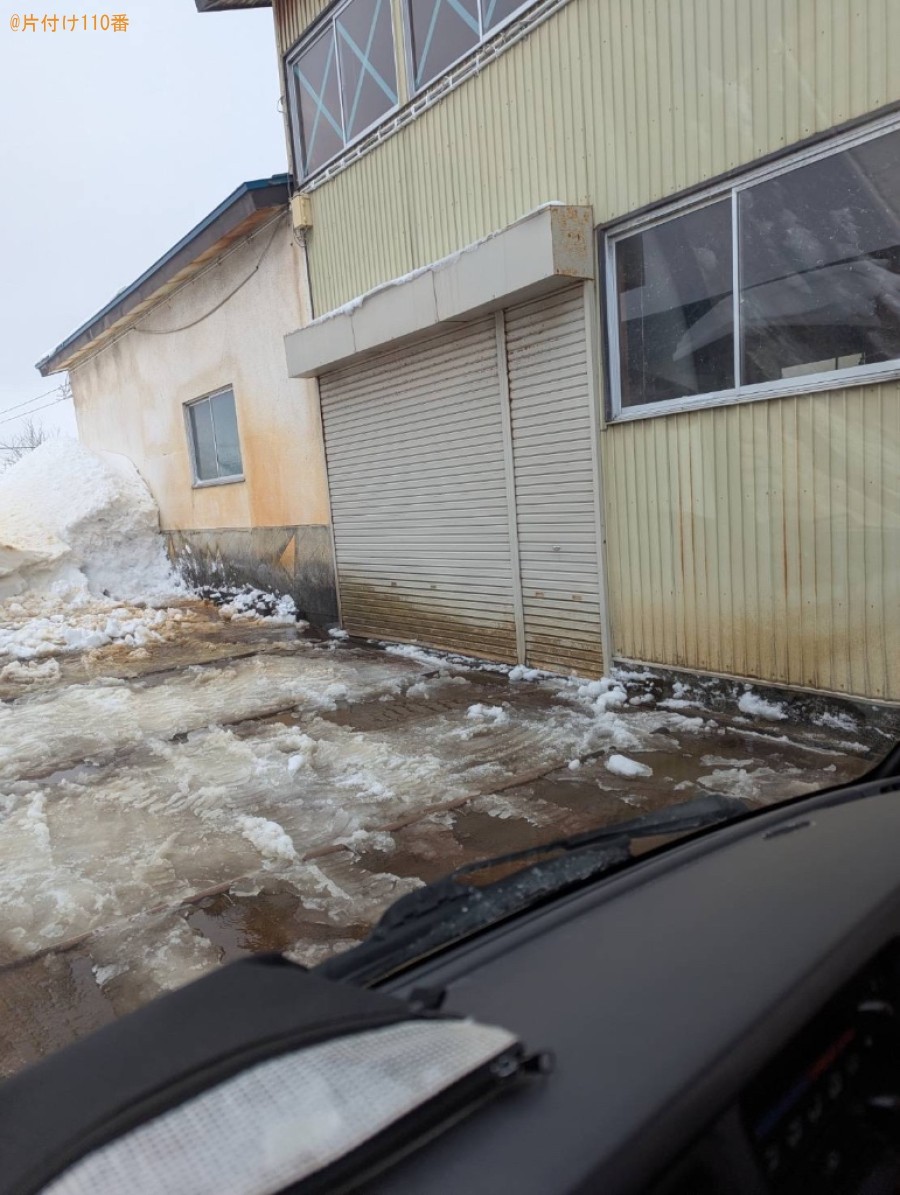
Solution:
(788, 274)
(213, 436)
(343, 80)
(443, 31)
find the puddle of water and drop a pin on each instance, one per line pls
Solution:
(46, 1004)
(270, 921)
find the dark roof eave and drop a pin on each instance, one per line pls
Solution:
(249, 199)
(226, 5)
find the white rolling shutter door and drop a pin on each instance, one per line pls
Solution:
(414, 443)
(550, 398)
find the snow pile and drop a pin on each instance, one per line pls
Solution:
(621, 765)
(601, 700)
(254, 605)
(754, 705)
(602, 695)
(35, 629)
(81, 518)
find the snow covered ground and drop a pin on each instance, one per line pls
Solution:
(181, 782)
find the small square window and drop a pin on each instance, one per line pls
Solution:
(213, 435)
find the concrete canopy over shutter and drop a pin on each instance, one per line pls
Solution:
(463, 489)
(556, 495)
(414, 442)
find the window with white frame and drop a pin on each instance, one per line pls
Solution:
(443, 31)
(789, 273)
(213, 435)
(343, 80)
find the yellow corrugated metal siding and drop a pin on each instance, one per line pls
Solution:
(762, 539)
(614, 103)
(292, 17)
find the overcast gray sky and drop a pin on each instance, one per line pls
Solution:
(113, 146)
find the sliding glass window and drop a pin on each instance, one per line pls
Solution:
(794, 274)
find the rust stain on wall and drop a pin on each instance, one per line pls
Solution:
(786, 521)
(379, 612)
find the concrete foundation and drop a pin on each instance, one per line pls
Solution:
(294, 560)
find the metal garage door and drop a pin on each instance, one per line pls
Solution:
(414, 441)
(556, 493)
(463, 494)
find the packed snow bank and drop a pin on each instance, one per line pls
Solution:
(75, 518)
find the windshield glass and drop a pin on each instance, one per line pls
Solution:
(453, 461)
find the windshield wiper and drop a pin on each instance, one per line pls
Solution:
(454, 907)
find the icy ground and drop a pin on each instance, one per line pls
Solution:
(185, 780)
(178, 786)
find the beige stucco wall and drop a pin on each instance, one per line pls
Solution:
(129, 397)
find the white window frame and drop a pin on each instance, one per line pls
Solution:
(830, 380)
(199, 482)
(483, 36)
(323, 27)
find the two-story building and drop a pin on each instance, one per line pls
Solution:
(608, 326)
(604, 326)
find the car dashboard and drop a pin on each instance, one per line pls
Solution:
(720, 1016)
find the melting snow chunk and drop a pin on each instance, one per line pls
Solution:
(255, 605)
(487, 713)
(837, 721)
(751, 703)
(621, 765)
(520, 672)
(269, 839)
(604, 694)
(30, 672)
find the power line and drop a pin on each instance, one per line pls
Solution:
(29, 401)
(26, 414)
(222, 302)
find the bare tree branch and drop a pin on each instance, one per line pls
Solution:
(16, 446)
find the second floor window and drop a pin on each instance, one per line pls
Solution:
(443, 31)
(344, 80)
(343, 75)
